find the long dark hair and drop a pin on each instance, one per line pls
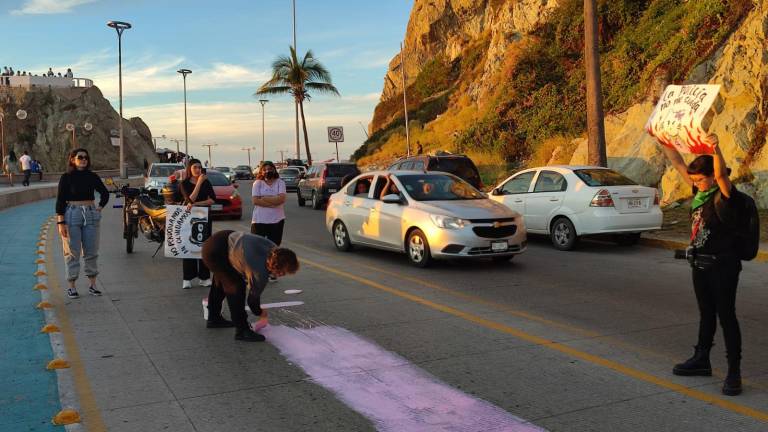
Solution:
(702, 165)
(11, 156)
(71, 165)
(188, 169)
(260, 175)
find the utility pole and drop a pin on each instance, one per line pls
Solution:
(248, 149)
(263, 151)
(405, 102)
(282, 154)
(210, 159)
(595, 125)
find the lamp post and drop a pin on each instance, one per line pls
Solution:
(210, 159)
(184, 73)
(155, 140)
(248, 149)
(295, 102)
(263, 153)
(120, 27)
(71, 127)
(21, 115)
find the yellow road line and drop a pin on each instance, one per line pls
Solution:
(573, 352)
(89, 410)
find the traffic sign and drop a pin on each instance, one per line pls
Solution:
(335, 134)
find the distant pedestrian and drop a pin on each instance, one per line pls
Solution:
(78, 218)
(715, 262)
(26, 167)
(197, 191)
(268, 197)
(206, 164)
(50, 72)
(40, 169)
(11, 166)
(241, 264)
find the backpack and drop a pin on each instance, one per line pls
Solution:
(742, 218)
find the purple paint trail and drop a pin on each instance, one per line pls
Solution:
(395, 395)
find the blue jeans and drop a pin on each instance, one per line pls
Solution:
(83, 225)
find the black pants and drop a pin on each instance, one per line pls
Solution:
(716, 295)
(27, 174)
(196, 268)
(273, 232)
(227, 282)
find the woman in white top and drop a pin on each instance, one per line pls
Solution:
(268, 196)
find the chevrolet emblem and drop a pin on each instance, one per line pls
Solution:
(497, 224)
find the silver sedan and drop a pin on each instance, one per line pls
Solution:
(427, 215)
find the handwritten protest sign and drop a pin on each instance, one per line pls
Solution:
(185, 231)
(683, 115)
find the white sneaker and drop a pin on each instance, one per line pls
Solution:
(186, 284)
(205, 282)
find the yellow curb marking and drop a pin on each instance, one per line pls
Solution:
(57, 364)
(41, 252)
(39, 261)
(40, 286)
(44, 305)
(66, 417)
(546, 343)
(40, 273)
(50, 328)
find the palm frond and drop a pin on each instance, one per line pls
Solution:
(321, 87)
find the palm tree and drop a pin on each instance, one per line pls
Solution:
(289, 76)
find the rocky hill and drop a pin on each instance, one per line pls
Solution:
(44, 135)
(503, 81)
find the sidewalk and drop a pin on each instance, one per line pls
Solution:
(670, 241)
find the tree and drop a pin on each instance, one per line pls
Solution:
(289, 76)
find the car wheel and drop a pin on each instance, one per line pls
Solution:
(502, 259)
(316, 204)
(300, 199)
(563, 234)
(341, 237)
(418, 249)
(627, 239)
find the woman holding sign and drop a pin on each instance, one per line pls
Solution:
(714, 260)
(197, 191)
(268, 194)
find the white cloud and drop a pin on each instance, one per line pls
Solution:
(49, 7)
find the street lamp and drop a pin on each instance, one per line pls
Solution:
(184, 73)
(210, 159)
(248, 149)
(119, 27)
(72, 128)
(155, 140)
(21, 115)
(263, 153)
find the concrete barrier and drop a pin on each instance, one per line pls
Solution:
(38, 192)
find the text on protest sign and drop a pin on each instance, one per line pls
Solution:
(185, 231)
(683, 115)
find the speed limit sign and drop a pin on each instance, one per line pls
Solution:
(335, 134)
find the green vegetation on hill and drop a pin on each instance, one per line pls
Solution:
(539, 93)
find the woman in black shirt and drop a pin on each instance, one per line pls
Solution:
(717, 266)
(78, 218)
(197, 191)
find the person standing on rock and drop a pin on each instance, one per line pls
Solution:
(26, 167)
(715, 265)
(78, 218)
(11, 166)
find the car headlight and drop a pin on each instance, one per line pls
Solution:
(234, 195)
(447, 222)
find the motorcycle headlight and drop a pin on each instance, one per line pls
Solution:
(447, 222)
(234, 195)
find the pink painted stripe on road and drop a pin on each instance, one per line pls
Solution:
(394, 394)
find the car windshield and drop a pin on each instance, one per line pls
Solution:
(217, 178)
(222, 169)
(436, 187)
(242, 168)
(603, 177)
(341, 170)
(164, 170)
(288, 172)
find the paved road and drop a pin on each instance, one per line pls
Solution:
(563, 341)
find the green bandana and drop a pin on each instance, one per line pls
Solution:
(701, 198)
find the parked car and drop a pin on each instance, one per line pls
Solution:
(322, 180)
(159, 173)
(427, 215)
(569, 202)
(291, 177)
(459, 165)
(243, 172)
(228, 173)
(228, 202)
(302, 169)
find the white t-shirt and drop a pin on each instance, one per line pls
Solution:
(26, 162)
(268, 215)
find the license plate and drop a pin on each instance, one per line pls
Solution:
(634, 203)
(499, 246)
(217, 207)
(333, 190)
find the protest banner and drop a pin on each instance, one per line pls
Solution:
(682, 117)
(185, 231)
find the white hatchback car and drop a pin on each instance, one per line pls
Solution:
(424, 214)
(568, 202)
(159, 173)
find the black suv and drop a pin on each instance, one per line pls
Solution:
(243, 172)
(322, 180)
(459, 165)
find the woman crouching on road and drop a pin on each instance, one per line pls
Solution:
(268, 194)
(77, 218)
(717, 266)
(197, 191)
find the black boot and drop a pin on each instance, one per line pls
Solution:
(248, 335)
(732, 383)
(698, 365)
(219, 322)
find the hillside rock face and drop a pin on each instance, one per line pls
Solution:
(44, 135)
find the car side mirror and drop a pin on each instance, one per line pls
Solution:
(235, 185)
(391, 199)
(496, 192)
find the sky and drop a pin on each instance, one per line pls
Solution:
(229, 45)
